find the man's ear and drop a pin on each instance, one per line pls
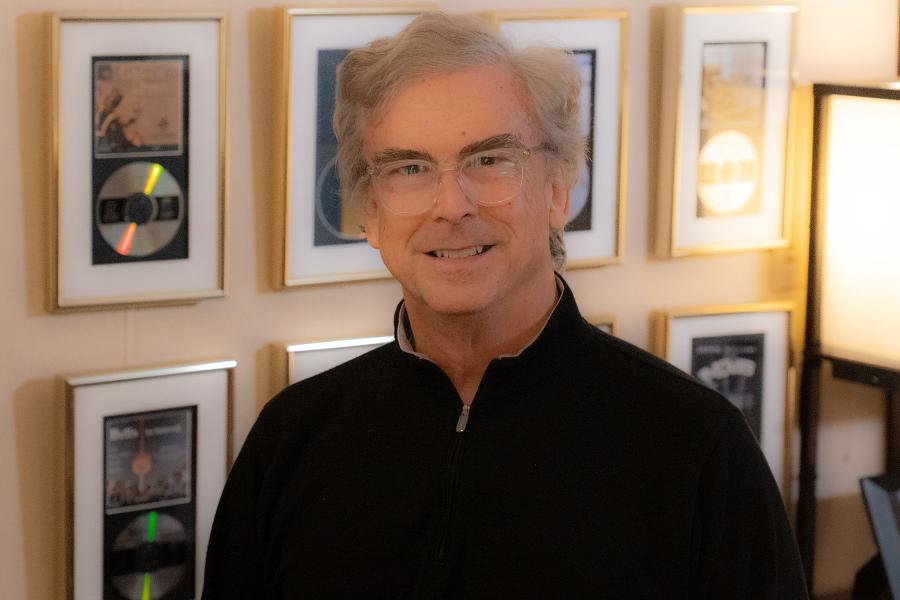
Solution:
(370, 215)
(559, 198)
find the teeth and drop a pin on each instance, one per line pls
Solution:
(459, 253)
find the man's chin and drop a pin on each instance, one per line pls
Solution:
(452, 300)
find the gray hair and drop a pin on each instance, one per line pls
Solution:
(369, 77)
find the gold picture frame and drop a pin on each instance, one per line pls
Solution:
(605, 322)
(146, 245)
(321, 241)
(598, 38)
(726, 130)
(145, 448)
(744, 351)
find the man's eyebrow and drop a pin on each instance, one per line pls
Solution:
(391, 154)
(503, 140)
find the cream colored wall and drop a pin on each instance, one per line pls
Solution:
(837, 39)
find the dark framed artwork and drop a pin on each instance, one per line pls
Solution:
(598, 41)
(744, 353)
(146, 459)
(323, 239)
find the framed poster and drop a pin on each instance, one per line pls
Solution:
(598, 40)
(727, 83)
(882, 498)
(323, 240)
(306, 360)
(146, 459)
(139, 158)
(744, 353)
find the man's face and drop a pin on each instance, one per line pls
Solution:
(443, 117)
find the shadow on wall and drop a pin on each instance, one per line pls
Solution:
(39, 411)
(263, 134)
(654, 106)
(33, 67)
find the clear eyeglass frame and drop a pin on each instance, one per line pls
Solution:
(492, 187)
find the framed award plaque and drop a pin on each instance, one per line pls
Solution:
(139, 148)
(727, 90)
(147, 455)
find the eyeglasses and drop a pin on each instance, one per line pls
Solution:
(489, 178)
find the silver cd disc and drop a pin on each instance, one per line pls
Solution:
(149, 581)
(140, 209)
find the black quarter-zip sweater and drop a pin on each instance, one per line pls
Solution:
(587, 469)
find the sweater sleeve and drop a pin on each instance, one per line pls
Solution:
(234, 556)
(743, 546)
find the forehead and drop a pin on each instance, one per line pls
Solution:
(443, 112)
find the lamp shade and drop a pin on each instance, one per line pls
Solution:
(858, 196)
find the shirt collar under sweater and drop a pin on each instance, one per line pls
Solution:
(404, 335)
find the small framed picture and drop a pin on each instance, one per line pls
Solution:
(882, 498)
(306, 360)
(744, 353)
(726, 98)
(147, 455)
(323, 237)
(598, 40)
(139, 158)
(605, 323)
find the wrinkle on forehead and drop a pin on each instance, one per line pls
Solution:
(375, 115)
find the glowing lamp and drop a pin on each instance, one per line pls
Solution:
(853, 295)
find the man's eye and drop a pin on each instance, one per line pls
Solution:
(492, 160)
(406, 170)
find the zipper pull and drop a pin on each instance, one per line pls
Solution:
(463, 419)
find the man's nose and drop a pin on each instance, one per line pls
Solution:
(452, 204)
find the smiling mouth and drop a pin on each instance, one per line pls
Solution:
(461, 253)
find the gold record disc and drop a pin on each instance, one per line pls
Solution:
(149, 545)
(140, 209)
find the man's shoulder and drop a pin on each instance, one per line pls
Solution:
(351, 379)
(646, 385)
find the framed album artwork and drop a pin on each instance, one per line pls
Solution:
(306, 360)
(598, 41)
(882, 498)
(147, 455)
(744, 353)
(724, 129)
(323, 239)
(139, 158)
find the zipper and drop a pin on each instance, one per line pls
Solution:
(440, 548)
(463, 419)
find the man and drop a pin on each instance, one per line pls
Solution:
(501, 447)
